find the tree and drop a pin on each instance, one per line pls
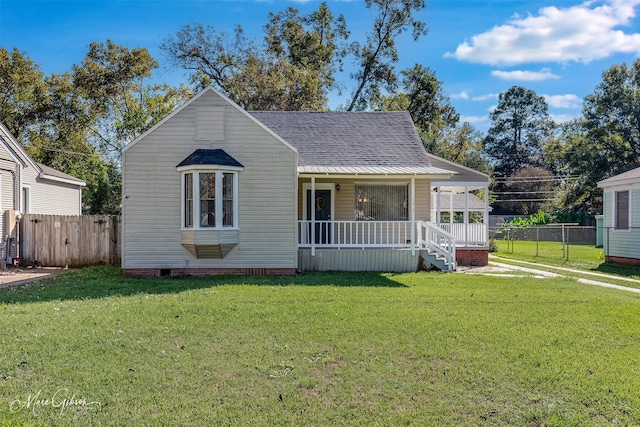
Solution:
(527, 191)
(463, 145)
(210, 57)
(315, 42)
(294, 71)
(376, 58)
(604, 142)
(422, 95)
(78, 122)
(612, 123)
(120, 106)
(23, 92)
(520, 127)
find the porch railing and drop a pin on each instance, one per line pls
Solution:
(355, 234)
(436, 240)
(467, 234)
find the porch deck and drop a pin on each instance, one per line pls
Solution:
(383, 245)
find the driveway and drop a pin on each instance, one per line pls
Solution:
(13, 276)
(497, 268)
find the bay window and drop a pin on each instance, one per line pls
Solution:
(216, 203)
(209, 220)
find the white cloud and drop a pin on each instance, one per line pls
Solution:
(563, 101)
(562, 118)
(486, 97)
(474, 119)
(528, 76)
(462, 95)
(581, 33)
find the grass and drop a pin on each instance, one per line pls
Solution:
(581, 257)
(318, 349)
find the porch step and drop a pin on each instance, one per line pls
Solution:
(432, 259)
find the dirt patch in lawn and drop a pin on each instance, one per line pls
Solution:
(14, 276)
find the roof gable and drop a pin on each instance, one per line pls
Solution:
(202, 93)
(349, 138)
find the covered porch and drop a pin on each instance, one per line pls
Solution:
(370, 220)
(391, 219)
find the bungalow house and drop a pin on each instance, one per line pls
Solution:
(30, 187)
(621, 217)
(215, 189)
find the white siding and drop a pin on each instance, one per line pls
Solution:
(7, 177)
(51, 197)
(266, 192)
(622, 243)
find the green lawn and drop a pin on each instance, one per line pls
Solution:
(580, 256)
(318, 349)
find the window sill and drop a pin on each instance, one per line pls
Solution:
(209, 242)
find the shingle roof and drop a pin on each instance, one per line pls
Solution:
(210, 157)
(51, 172)
(349, 138)
(630, 176)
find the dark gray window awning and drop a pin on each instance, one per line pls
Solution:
(210, 157)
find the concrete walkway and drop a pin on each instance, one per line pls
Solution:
(497, 268)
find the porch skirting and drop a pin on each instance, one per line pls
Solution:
(472, 256)
(387, 260)
(171, 272)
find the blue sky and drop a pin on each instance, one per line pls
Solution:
(476, 48)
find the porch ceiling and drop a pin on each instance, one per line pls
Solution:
(427, 171)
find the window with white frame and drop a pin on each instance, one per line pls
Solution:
(381, 202)
(209, 199)
(621, 210)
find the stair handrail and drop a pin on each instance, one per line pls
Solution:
(435, 239)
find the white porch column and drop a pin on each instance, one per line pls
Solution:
(466, 216)
(451, 207)
(413, 216)
(437, 219)
(485, 219)
(312, 213)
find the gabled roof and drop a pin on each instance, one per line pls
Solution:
(352, 142)
(20, 155)
(629, 177)
(56, 175)
(202, 93)
(210, 157)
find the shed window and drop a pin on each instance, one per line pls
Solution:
(381, 202)
(622, 210)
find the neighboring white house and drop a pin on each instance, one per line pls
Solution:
(621, 212)
(215, 189)
(30, 187)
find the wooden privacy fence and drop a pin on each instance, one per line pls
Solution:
(69, 241)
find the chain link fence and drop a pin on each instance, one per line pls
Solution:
(552, 241)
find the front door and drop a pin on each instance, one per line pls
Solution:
(322, 208)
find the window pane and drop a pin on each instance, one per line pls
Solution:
(188, 200)
(227, 200)
(380, 202)
(207, 199)
(622, 209)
